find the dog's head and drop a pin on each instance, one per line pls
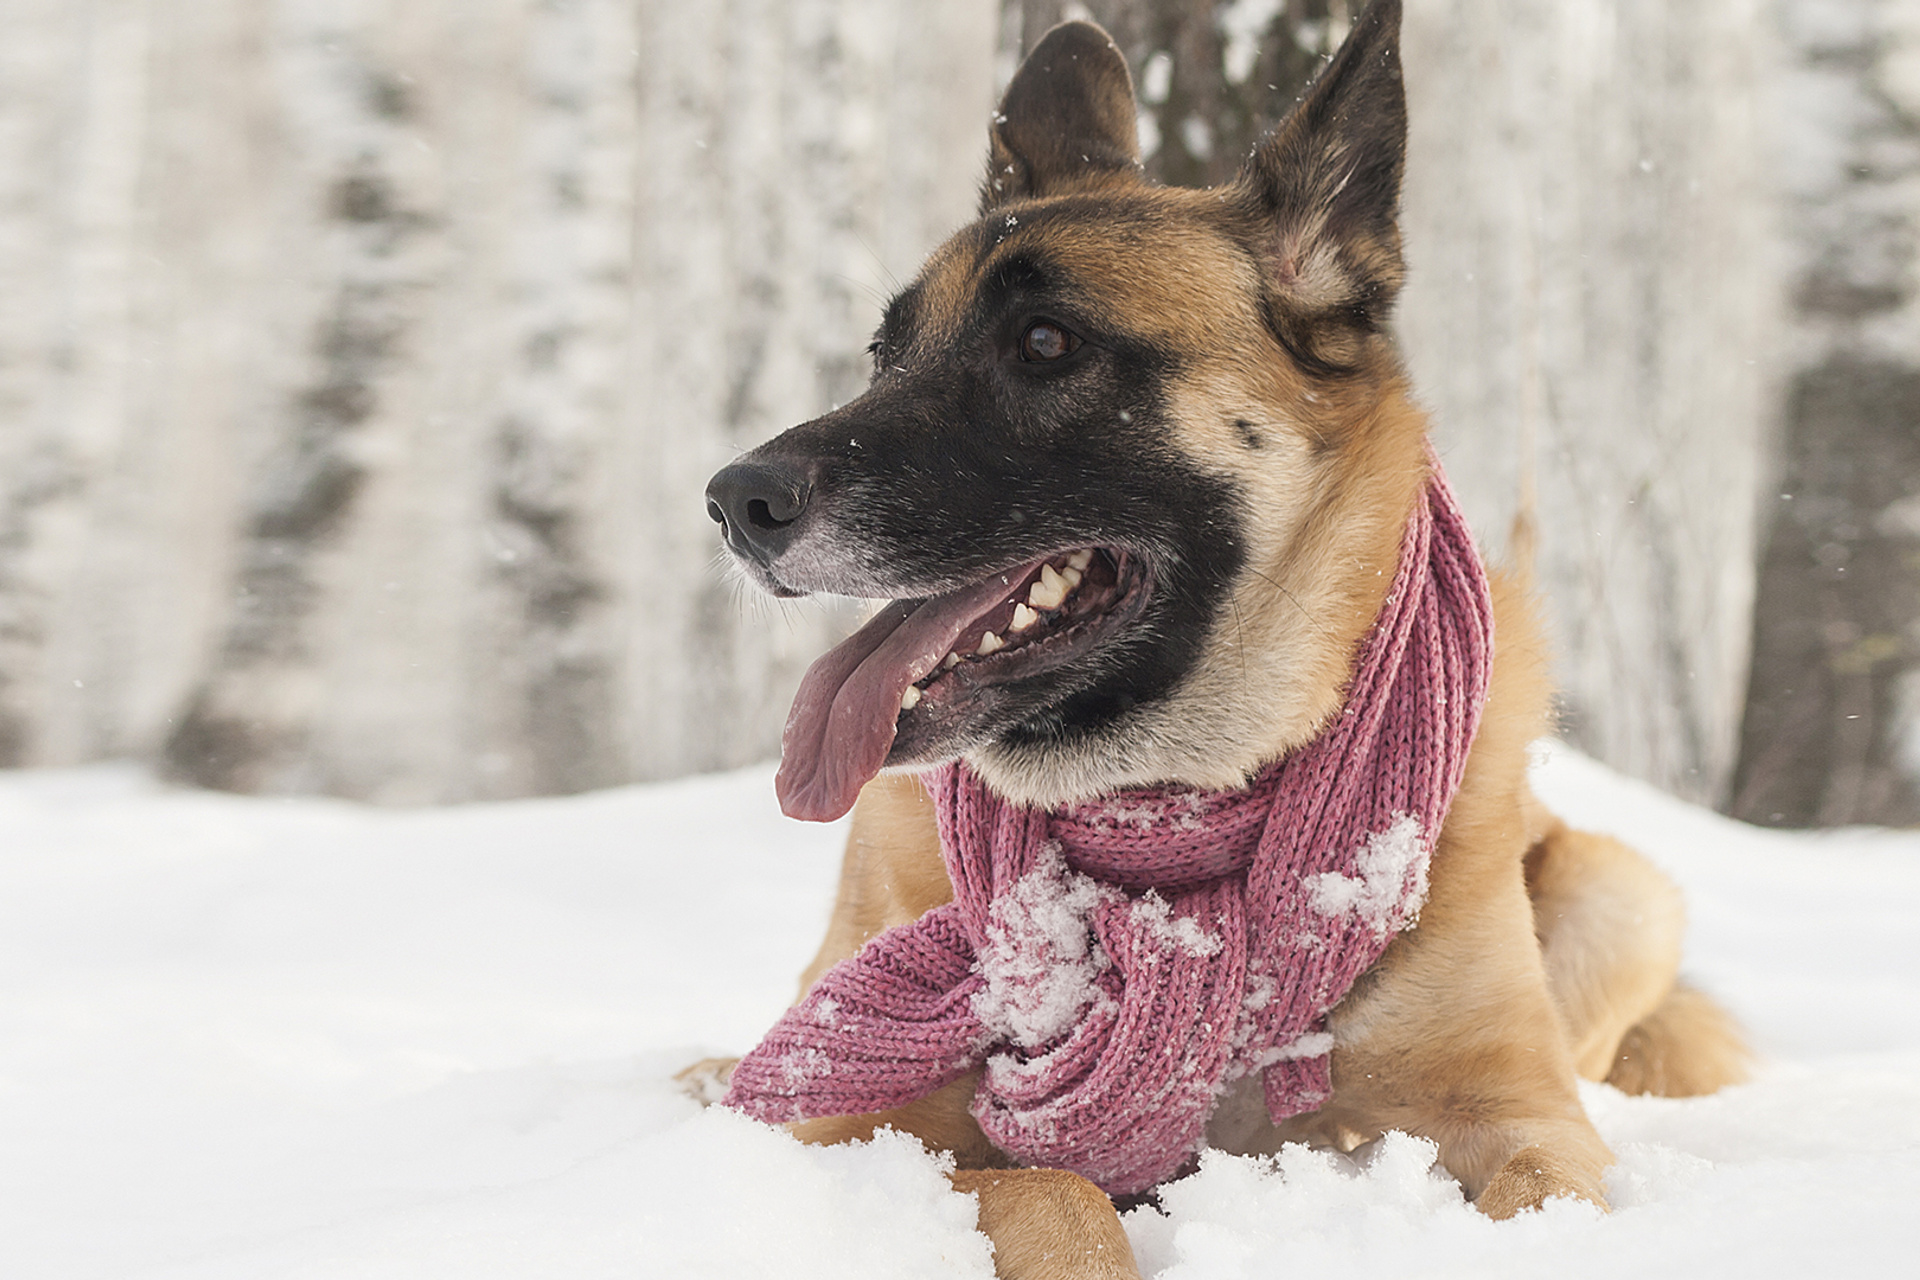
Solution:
(1131, 463)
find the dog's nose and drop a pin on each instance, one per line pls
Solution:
(756, 505)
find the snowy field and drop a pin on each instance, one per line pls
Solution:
(253, 1039)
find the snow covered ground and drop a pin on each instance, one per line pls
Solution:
(258, 1039)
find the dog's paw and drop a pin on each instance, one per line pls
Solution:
(706, 1080)
(1532, 1176)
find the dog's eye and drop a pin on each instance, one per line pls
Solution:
(1045, 340)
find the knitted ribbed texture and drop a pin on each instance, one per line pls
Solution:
(1113, 965)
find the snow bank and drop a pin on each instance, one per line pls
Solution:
(254, 1038)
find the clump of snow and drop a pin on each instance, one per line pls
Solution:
(1260, 992)
(1391, 884)
(1312, 1044)
(1122, 814)
(264, 1039)
(1154, 915)
(800, 1067)
(1182, 810)
(1289, 1214)
(882, 1209)
(1041, 962)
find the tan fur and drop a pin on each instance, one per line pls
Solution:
(1467, 1031)
(1542, 954)
(1686, 1047)
(1453, 1034)
(890, 873)
(1609, 927)
(1047, 1224)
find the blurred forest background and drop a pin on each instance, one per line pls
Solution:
(362, 362)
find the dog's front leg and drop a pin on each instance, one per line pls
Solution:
(1453, 1037)
(1535, 1174)
(1045, 1224)
(1048, 1224)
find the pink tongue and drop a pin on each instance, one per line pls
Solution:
(842, 723)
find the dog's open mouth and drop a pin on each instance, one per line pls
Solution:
(911, 670)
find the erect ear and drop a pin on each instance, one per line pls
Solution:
(1326, 184)
(1066, 123)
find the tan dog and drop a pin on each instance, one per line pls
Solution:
(1198, 388)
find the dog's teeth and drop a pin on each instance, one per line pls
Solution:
(1072, 577)
(949, 662)
(911, 698)
(1081, 559)
(990, 643)
(1023, 617)
(1049, 591)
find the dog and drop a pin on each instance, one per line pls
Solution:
(1136, 477)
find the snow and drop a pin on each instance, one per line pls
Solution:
(257, 1038)
(1042, 964)
(1391, 886)
(1311, 1045)
(1153, 916)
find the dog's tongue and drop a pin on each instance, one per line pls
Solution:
(842, 723)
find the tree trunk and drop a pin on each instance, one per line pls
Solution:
(1832, 732)
(1591, 310)
(362, 367)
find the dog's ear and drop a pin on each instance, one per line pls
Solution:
(1326, 184)
(1066, 123)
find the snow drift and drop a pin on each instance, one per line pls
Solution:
(256, 1038)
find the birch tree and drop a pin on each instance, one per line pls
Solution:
(1832, 731)
(361, 367)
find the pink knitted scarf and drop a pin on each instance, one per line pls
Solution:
(1114, 965)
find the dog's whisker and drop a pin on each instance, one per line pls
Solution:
(1240, 638)
(894, 283)
(1294, 600)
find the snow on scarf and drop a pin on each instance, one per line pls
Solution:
(1114, 965)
